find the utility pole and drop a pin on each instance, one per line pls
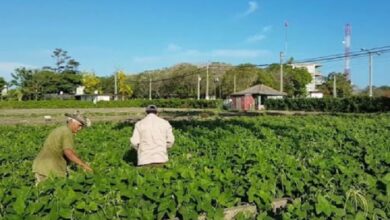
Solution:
(199, 86)
(216, 81)
(116, 85)
(370, 69)
(281, 71)
(207, 82)
(150, 87)
(334, 86)
(285, 36)
(370, 73)
(234, 83)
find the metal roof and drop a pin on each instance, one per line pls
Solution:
(260, 90)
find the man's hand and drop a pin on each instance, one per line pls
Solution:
(87, 168)
(72, 156)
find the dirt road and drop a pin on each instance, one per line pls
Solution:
(54, 116)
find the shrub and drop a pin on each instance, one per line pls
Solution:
(352, 104)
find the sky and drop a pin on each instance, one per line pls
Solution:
(139, 35)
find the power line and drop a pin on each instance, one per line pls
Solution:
(167, 79)
(322, 59)
(384, 49)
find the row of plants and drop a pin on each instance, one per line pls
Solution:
(356, 104)
(332, 167)
(164, 103)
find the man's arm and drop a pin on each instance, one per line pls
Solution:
(72, 156)
(135, 139)
(170, 137)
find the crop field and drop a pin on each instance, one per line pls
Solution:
(37, 116)
(332, 167)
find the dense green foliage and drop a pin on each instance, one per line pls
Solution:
(352, 104)
(378, 91)
(333, 168)
(161, 103)
(2, 83)
(247, 75)
(343, 86)
(35, 83)
(179, 81)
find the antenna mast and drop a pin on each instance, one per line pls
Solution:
(347, 49)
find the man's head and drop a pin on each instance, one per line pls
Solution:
(151, 109)
(77, 121)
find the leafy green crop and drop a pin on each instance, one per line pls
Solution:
(331, 166)
(353, 104)
(161, 103)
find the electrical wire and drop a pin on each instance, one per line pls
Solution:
(322, 59)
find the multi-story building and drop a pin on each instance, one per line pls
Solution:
(317, 78)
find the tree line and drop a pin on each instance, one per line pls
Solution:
(179, 81)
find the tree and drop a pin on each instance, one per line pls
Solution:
(43, 82)
(21, 78)
(178, 86)
(141, 87)
(64, 62)
(61, 58)
(69, 81)
(72, 65)
(245, 75)
(15, 94)
(383, 91)
(343, 86)
(108, 84)
(2, 83)
(91, 82)
(295, 81)
(270, 76)
(124, 88)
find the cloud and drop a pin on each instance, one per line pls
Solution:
(147, 59)
(259, 36)
(6, 68)
(252, 7)
(192, 52)
(255, 38)
(239, 53)
(267, 28)
(179, 55)
(173, 47)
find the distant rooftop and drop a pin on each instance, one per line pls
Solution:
(260, 89)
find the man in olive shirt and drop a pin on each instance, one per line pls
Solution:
(59, 148)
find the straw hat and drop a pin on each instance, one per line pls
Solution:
(80, 118)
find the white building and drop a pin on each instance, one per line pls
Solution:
(317, 78)
(96, 97)
(80, 90)
(4, 91)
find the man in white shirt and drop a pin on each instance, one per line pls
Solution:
(152, 136)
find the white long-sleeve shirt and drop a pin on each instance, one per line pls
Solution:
(152, 136)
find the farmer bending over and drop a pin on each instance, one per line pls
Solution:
(152, 136)
(58, 149)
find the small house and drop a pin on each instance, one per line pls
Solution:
(253, 98)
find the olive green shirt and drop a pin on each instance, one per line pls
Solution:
(51, 158)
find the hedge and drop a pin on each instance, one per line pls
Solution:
(352, 104)
(162, 103)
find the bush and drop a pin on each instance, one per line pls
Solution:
(352, 104)
(161, 103)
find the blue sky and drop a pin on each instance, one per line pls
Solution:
(139, 35)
